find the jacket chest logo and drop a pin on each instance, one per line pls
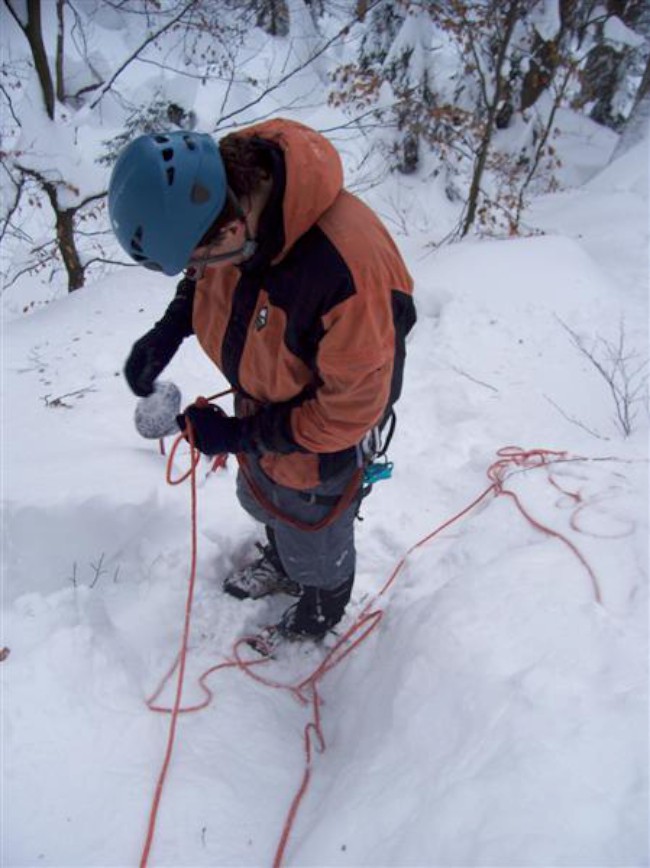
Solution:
(262, 318)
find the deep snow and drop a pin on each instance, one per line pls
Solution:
(498, 715)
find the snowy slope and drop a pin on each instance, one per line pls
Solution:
(497, 716)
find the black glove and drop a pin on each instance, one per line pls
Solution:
(151, 354)
(214, 432)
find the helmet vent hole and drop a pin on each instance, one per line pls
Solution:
(200, 194)
(168, 154)
(136, 241)
(170, 176)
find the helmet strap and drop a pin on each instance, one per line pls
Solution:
(247, 249)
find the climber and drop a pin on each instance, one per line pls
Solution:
(297, 293)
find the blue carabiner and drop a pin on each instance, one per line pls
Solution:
(376, 471)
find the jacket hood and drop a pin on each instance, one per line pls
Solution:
(313, 174)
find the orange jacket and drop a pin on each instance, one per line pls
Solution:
(311, 328)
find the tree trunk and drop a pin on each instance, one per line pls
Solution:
(644, 87)
(540, 146)
(60, 82)
(34, 33)
(540, 72)
(66, 243)
(65, 237)
(511, 18)
(601, 78)
(638, 123)
(273, 17)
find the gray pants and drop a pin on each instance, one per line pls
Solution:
(321, 559)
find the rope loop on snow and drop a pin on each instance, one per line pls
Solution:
(510, 461)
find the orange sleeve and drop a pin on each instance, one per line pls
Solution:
(355, 364)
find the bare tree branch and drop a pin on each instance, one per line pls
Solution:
(105, 261)
(99, 570)
(28, 269)
(7, 96)
(14, 15)
(283, 79)
(197, 76)
(92, 198)
(59, 402)
(627, 387)
(575, 421)
(133, 55)
(479, 69)
(13, 207)
(474, 379)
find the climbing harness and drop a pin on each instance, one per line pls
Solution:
(339, 502)
(373, 466)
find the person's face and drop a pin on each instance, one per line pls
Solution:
(226, 249)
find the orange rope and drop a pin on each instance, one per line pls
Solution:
(513, 456)
(306, 692)
(182, 657)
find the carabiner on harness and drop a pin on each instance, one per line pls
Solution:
(376, 471)
(374, 461)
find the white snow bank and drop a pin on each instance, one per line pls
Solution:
(627, 173)
(498, 715)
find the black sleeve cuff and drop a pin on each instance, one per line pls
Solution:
(269, 431)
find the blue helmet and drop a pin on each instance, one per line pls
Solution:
(165, 192)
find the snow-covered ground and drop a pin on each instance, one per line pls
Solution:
(498, 714)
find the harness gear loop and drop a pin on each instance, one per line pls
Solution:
(373, 447)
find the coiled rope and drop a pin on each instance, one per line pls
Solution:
(510, 460)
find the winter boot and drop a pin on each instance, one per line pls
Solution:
(315, 613)
(263, 577)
